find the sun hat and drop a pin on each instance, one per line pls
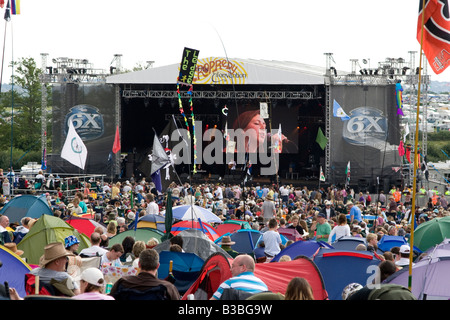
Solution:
(70, 241)
(226, 241)
(53, 251)
(11, 246)
(93, 276)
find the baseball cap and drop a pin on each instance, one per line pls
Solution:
(93, 276)
(321, 215)
(404, 248)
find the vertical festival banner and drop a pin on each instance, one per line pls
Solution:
(186, 76)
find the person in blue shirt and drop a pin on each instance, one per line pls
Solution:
(355, 212)
(242, 278)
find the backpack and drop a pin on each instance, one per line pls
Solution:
(391, 292)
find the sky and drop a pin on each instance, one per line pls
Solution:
(152, 30)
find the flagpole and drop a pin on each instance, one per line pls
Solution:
(416, 142)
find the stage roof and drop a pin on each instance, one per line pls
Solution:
(216, 70)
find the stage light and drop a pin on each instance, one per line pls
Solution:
(298, 128)
(215, 126)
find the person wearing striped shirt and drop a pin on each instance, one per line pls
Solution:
(242, 278)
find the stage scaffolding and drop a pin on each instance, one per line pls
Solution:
(387, 72)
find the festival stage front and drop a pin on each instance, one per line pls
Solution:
(299, 100)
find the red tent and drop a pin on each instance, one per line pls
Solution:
(290, 234)
(215, 270)
(276, 275)
(83, 225)
(221, 229)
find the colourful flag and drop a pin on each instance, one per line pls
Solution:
(15, 6)
(401, 149)
(399, 97)
(321, 139)
(2, 3)
(436, 33)
(116, 146)
(339, 112)
(347, 172)
(322, 176)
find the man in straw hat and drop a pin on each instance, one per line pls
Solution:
(226, 244)
(52, 266)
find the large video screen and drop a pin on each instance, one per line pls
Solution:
(369, 137)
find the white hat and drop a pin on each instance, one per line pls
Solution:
(93, 276)
(404, 248)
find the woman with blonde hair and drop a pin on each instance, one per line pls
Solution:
(298, 289)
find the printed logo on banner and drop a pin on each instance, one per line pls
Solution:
(365, 125)
(87, 121)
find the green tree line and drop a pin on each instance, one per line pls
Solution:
(20, 116)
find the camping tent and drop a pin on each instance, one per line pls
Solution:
(246, 240)
(26, 206)
(83, 225)
(185, 269)
(299, 248)
(13, 270)
(387, 242)
(429, 277)
(277, 275)
(348, 243)
(214, 271)
(153, 221)
(195, 241)
(48, 229)
(140, 234)
(342, 267)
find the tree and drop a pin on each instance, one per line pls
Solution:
(26, 103)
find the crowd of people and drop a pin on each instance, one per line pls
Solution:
(322, 214)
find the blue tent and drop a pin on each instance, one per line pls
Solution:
(348, 243)
(26, 206)
(13, 270)
(185, 268)
(246, 240)
(387, 242)
(342, 267)
(299, 248)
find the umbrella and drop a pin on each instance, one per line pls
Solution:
(83, 225)
(431, 233)
(193, 212)
(207, 229)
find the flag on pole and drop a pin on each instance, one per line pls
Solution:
(15, 6)
(8, 12)
(347, 173)
(116, 145)
(406, 132)
(74, 149)
(401, 149)
(276, 141)
(322, 176)
(2, 3)
(436, 33)
(339, 112)
(159, 160)
(399, 98)
(321, 139)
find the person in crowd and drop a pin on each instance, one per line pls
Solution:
(136, 287)
(243, 278)
(95, 249)
(272, 240)
(341, 230)
(52, 265)
(92, 286)
(298, 289)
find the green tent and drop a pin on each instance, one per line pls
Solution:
(140, 234)
(48, 229)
